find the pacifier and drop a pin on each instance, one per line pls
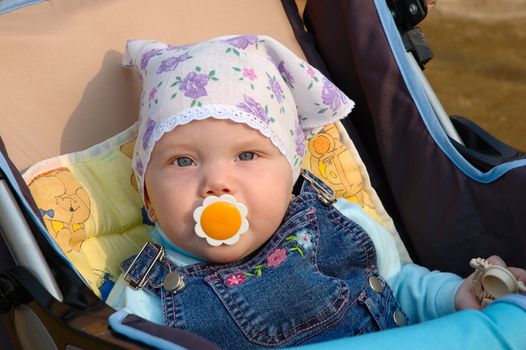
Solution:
(493, 281)
(221, 220)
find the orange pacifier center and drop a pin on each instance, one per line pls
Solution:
(221, 220)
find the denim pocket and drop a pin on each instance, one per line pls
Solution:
(274, 315)
(282, 298)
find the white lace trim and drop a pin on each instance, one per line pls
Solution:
(218, 112)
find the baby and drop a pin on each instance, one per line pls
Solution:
(235, 257)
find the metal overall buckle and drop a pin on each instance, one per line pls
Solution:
(158, 256)
(173, 281)
(324, 196)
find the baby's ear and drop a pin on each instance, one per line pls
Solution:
(148, 206)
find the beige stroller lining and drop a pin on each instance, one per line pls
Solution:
(63, 88)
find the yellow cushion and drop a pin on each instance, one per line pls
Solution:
(332, 157)
(91, 207)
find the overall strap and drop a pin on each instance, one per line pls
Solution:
(324, 193)
(151, 270)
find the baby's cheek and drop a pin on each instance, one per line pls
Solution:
(181, 236)
(174, 222)
(269, 222)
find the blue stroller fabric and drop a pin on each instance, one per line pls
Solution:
(430, 190)
(11, 5)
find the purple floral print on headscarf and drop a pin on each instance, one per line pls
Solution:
(139, 167)
(300, 140)
(331, 95)
(150, 125)
(242, 41)
(176, 47)
(153, 92)
(193, 85)
(171, 63)
(275, 88)
(146, 57)
(289, 79)
(253, 107)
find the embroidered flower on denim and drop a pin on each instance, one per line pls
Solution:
(278, 256)
(235, 279)
(292, 244)
(304, 239)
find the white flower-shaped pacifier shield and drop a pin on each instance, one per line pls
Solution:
(221, 220)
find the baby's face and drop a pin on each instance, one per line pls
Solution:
(216, 157)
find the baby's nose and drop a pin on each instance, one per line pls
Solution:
(218, 190)
(217, 183)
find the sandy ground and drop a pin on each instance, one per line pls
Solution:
(479, 64)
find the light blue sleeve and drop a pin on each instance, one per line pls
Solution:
(499, 326)
(138, 302)
(424, 294)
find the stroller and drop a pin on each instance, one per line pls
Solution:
(452, 190)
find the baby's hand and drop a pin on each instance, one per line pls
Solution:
(466, 298)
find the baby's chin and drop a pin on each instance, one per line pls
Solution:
(225, 254)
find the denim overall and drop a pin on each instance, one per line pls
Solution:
(316, 279)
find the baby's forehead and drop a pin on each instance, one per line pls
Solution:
(214, 132)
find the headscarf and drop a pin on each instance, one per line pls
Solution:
(248, 79)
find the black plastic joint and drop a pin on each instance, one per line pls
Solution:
(417, 44)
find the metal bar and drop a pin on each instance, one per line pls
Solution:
(442, 116)
(21, 243)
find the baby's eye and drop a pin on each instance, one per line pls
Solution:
(247, 156)
(184, 161)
